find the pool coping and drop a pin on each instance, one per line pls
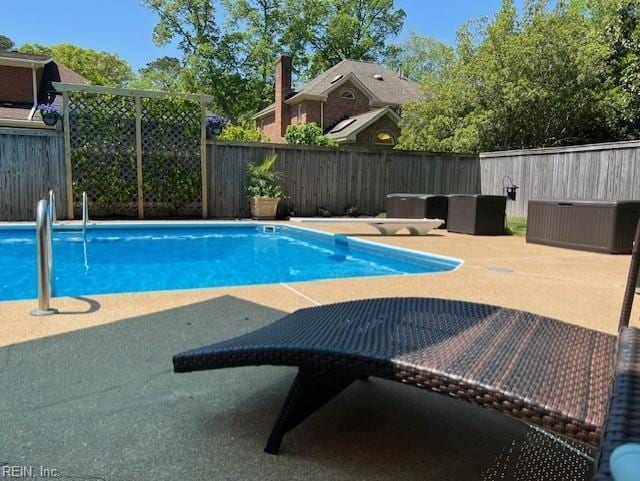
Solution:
(77, 225)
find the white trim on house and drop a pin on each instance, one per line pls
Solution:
(389, 133)
(24, 123)
(34, 88)
(347, 94)
(24, 63)
(353, 136)
(264, 112)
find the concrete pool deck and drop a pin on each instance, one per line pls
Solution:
(91, 392)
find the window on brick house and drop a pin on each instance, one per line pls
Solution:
(384, 137)
(348, 95)
(301, 111)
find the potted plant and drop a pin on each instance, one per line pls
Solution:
(215, 124)
(50, 113)
(263, 188)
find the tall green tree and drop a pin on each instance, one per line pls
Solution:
(209, 55)
(164, 73)
(329, 31)
(234, 62)
(420, 56)
(6, 43)
(259, 24)
(100, 68)
(519, 81)
(620, 27)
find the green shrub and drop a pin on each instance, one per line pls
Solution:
(103, 152)
(242, 133)
(262, 180)
(307, 134)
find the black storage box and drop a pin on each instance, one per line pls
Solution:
(418, 206)
(599, 226)
(477, 214)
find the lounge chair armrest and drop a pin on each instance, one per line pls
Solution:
(622, 428)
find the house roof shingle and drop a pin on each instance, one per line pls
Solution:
(267, 110)
(52, 72)
(11, 54)
(391, 90)
(359, 122)
(68, 76)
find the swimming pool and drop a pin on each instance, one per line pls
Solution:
(136, 257)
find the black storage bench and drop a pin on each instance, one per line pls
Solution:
(599, 226)
(477, 214)
(418, 206)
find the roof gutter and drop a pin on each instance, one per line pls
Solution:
(34, 85)
(19, 62)
(302, 96)
(263, 113)
(387, 110)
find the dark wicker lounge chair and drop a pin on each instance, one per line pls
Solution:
(540, 370)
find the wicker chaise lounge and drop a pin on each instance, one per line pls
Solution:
(539, 370)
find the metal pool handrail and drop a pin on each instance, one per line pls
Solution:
(85, 212)
(44, 260)
(52, 207)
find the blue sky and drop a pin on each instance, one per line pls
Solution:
(124, 26)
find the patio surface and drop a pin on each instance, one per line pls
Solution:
(91, 393)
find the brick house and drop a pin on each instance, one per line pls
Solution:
(357, 103)
(25, 82)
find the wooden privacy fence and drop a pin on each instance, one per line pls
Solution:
(334, 179)
(609, 171)
(31, 163)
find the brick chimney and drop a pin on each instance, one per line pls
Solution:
(283, 89)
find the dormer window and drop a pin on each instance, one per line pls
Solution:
(384, 137)
(348, 94)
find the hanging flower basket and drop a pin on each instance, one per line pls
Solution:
(215, 125)
(50, 113)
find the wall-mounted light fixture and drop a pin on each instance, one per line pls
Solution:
(509, 188)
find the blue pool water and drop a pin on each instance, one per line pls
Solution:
(151, 258)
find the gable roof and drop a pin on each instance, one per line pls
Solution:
(267, 110)
(11, 57)
(392, 89)
(52, 71)
(68, 76)
(357, 123)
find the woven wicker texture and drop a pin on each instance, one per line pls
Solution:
(541, 456)
(534, 368)
(623, 419)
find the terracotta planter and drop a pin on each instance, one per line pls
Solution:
(264, 208)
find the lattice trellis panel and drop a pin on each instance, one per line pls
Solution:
(171, 164)
(103, 155)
